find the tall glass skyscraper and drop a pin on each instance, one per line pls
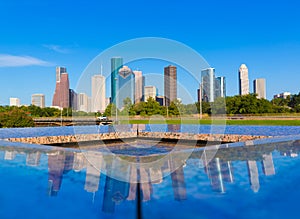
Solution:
(208, 84)
(126, 86)
(116, 64)
(220, 87)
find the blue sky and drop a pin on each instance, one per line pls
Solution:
(36, 36)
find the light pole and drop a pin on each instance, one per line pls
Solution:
(200, 101)
(116, 79)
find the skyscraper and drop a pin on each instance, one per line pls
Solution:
(170, 84)
(73, 99)
(59, 71)
(243, 80)
(98, 93)
(259, 86)
(139, 87)
(220, 87)
(61, 94)
(126, 86)
(116, 64)
(208, 84)
(150, 91)
(83, 102)
(38, 100)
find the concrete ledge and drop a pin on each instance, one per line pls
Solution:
(64, 139)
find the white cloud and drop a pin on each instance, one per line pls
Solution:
(57, 48)
(7, 60)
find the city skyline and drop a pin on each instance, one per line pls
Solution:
(268, 43)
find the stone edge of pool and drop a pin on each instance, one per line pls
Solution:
(163, 136)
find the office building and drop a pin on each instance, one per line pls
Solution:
(83, 102)
(170, 84)
(13, 101)
(73, 99)
(220, 87)
(208, 84)
(259, 86)
(150, 91)
(98, 93)
(139, 86)
(160, 100)
(116, 65)
(61, 94)
(283, 95)
(243, 80)
(126, 86)
(38, 100)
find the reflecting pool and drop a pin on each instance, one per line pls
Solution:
(256, 179)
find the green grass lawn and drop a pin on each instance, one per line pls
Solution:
(218, 122)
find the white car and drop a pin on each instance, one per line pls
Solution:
(102, 118)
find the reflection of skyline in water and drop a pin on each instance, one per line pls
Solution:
(220, 172)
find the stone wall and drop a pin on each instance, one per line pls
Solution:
(126, 135)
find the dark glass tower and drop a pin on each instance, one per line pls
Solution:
(116, 64)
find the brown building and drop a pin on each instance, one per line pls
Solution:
(61, 95)
(170, 84)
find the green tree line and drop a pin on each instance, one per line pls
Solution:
(12, 116)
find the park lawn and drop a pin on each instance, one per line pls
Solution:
(218, 122)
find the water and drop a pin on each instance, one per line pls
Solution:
(206, 129)
(244, 180)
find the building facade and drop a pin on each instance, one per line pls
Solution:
(283, 95)
(125, 85)
(243, 80)
(98, 94)
(220, 87)
(73, 98)
(208, 84)
(116, 65)
(83, 102)
(139, 86)
(38, 100)
(59, 71)
(61, 94)
(259, 86)
(170, 84)
(13, 101)
(150, 91)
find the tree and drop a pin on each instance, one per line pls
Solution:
(110, 110)
(128, 107)
(16, 118)
(218, 106)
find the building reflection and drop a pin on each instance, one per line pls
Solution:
(33, 159)
(115, 191)
(268, 165)
(178, 182)
(174, 128)
(10, 155)
(56, 164)
(93, 170)
(252, 171)
(219, 170)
